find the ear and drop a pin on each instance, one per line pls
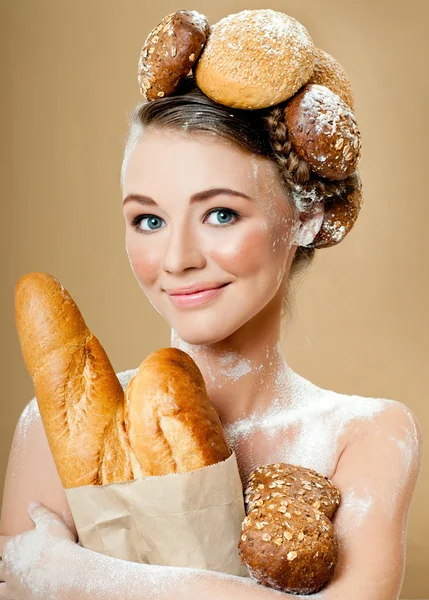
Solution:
(310, 225)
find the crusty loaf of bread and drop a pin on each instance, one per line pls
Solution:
(169, 425)
(288, 541)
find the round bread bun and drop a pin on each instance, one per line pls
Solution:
(170, 51)
(329, 72)
(255, 59)
(340, 214)
(292, 481)
(288, 545)
(323, 131)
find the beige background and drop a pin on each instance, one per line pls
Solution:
(69, 82)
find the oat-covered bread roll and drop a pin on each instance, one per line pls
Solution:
(170, 51)
(169, 424)
(287, 543)
(292, 481)
(324, 131)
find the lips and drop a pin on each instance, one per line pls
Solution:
(198, 298)
(185, 291)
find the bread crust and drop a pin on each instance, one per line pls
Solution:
(171, 423)
(243, 62)
(76, 387)
(324, 131)
(329, 72)
(170, 51)
(288, 541)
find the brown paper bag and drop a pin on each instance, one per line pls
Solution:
(183, 519)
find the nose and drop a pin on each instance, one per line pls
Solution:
(183, 251)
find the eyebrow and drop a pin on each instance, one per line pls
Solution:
(198, 197)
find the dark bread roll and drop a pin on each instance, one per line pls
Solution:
(170, 51)
(323, 131)
(340, 215)
(287, 543)
(292, 481)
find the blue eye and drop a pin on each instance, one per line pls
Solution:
(152, 222)
(223, 216)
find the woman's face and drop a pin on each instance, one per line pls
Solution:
(177, 237)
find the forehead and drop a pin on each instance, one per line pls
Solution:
(164, 159)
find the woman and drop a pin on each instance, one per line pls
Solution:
(209, 203)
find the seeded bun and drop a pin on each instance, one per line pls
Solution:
(287, 543)
(323, 131)
(329, 72)
(170, 51)
(254, 59)
(291, 481)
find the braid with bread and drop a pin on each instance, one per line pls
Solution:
(305, 186)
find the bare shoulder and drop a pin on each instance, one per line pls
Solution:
(391, 437)
(31, 472)
(389, 419)
(352, 420)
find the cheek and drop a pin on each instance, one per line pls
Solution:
(145, 261)
(251, 250)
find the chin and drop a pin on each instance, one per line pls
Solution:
(198, 336)
(208, 327)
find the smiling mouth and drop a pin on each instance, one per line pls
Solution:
(200, 291)
(194, 298)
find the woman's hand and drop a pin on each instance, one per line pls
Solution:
(32, 562)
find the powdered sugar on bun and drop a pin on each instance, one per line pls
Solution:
(255, 59)
(324, 131)
(340, 215)
(170, 51)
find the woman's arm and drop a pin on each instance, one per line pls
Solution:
(31, 474)
(376, 475)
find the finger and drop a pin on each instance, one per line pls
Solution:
(42, 514)
(46, 519)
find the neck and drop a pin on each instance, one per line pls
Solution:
(244, 372)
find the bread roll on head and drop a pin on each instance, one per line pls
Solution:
(329, 72)
(324, 131)
(76, 387)
(255, 59)
(171, 423)
(170, 51)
